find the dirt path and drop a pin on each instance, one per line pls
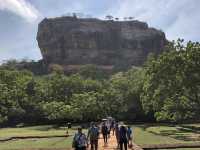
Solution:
(112, 144)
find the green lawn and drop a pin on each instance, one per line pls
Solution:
(35, 143)
(166, 134)
(32, 131)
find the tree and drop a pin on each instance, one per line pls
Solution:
(92, 72)
(109, 17)
(85, 107)
(130, 18)
(74, 15)
(56, 68)
(171, 88)
(57, 111)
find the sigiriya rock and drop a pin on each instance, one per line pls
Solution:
(78, 41)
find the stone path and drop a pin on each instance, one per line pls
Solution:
(112, 144)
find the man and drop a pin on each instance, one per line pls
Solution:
(104, 131)
(93, 134)
(123, 139)
(80, 140)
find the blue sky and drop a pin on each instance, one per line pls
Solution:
(19, 19)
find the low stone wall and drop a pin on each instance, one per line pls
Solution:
(171, 146)
(32, 137)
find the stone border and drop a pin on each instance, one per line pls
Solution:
(136, 147)
(171, 146)
(32, 137)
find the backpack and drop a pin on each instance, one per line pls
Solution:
(129, 131)
(94, 133)
(76, 141)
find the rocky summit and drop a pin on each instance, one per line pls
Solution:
(76, 41)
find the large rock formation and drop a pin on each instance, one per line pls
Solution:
(72, 41)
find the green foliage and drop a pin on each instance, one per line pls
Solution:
(92, 72)
(55, 68)
(171, 87)
(166, 89)
(85, 106)
(56, 110)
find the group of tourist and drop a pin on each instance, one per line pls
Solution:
(122, 133)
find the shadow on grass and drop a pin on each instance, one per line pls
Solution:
(148, 125)
(46, 128)
(190, 128)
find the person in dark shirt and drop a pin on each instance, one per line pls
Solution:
(123, 139)
(104, 131)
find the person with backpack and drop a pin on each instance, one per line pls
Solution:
(93, 135)
(79, 140)
(123, 139)
(129, 134)
(104, 131)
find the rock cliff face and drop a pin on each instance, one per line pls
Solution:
(72, 41)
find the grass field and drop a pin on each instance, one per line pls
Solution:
(35, 143)
(166, 134)
(143, 134)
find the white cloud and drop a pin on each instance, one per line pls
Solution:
(179, 19)
(21, 8)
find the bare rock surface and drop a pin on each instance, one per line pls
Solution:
(73, 41)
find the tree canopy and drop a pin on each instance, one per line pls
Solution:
(166, 88)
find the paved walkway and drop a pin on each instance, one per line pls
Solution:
(112, 144)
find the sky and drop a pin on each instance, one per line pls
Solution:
(19, 19)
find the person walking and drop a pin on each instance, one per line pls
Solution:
(113, 126)
(129, 135)
(104, 131)
(108, 124)
(123, 139)
(79, 140)
(93, 135)
(117, 133)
